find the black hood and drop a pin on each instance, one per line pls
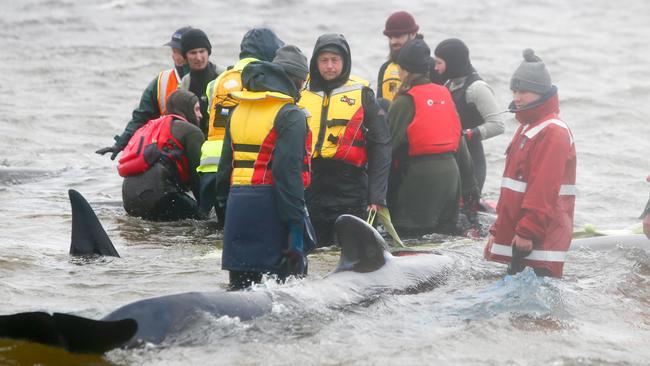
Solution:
(316, 82)
(182, 102)
(267, 76)
(260, 43)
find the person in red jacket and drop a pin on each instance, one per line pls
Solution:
(534, 222)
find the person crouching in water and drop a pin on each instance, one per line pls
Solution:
(534, 224)
(425, 185)
(159, 163)
(267, 143)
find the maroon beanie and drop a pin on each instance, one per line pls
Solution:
(400, 23)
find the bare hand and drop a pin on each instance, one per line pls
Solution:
(373, 207)
(646, 225)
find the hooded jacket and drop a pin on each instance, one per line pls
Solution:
(288, 155)
(335, 183)
(538, 191)
(162, 178)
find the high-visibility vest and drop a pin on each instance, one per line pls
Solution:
(168, 81)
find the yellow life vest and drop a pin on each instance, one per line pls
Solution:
(219, 97)
(390, 82)
(166, 84)
(336, 122)
(250, 125)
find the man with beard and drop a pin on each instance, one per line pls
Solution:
(152, 101)
(196, 49)
(351, 145)
(159, 163)
(400, 28)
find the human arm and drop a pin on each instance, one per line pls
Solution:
(481, 95)
(546, 163)
(288, 161)
(400, 115)
(146, 110)
(377, 147)
(192, 139)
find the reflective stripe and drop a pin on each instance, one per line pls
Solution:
(213, 160)
(535, 255)
(535, 130)
(346, 88)
(519, 186)
(515, 185)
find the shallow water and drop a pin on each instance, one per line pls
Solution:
(72, 72)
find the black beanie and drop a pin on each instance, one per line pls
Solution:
(195, 38)
(415, 57)
(456, 56)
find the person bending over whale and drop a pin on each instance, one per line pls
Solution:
(266, 159)
(159, 163)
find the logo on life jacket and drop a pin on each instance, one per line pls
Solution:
(347, 100)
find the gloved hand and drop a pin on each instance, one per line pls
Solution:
(471, 206)
(114, 150)
(294, 261)
(472, 133)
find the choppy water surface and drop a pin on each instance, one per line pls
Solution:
(72, 72)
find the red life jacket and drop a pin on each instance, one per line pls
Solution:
(435, 127)
(149, 144)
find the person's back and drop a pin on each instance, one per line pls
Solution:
(258, 44)
(266, 160)
(425, 181)
(159, 192)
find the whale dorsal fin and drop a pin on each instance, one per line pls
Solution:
(362, 248)
(88, 235)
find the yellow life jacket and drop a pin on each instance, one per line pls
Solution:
(253, 136)
(390, 82)
(167, 83)
(336, 121)
(219, 99)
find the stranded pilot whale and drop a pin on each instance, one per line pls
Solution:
(365, 270)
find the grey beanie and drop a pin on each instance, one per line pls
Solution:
(531, 75)
(292, 61)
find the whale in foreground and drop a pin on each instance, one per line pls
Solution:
(365, 269)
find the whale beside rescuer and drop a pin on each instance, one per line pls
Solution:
(328, 146)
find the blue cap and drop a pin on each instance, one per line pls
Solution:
(176, 37)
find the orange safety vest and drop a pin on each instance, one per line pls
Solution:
(168, 81)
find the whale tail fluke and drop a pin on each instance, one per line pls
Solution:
(71, 332)
(88, 235)
(362, 247)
